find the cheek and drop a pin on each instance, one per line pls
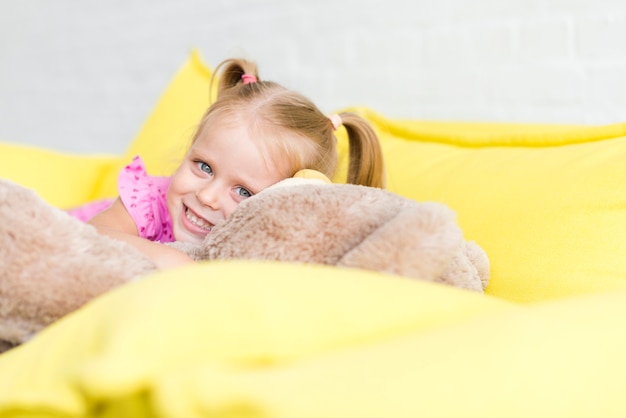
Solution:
(176, 189)
(181, 180)
(229, 208)
(173, 192)
(172, 199)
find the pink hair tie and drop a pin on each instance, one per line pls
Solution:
(248, 78)
(335, 119)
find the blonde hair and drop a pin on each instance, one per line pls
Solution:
(294, 127)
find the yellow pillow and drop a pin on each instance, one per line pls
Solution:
(548, 204)
(560, 360)
(64, 180)
(285, 340)
(111, 356)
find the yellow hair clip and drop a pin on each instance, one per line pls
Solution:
(307, 173)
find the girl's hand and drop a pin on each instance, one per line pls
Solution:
(116, 223)
(161, 255)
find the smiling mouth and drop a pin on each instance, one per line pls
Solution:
(199, 222)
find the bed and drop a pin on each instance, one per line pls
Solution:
(268, 339)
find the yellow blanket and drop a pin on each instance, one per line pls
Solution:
(233, 339)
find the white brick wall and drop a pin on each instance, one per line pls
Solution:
(83, 75)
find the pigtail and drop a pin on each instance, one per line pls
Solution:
(366, 166)
(230, 73)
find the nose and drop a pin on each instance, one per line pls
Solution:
(209, 195)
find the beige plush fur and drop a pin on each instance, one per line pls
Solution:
(352, 226)
(51, 264)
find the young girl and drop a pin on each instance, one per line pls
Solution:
(254, 135)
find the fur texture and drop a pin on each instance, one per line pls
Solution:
(51, 264)
(352, 226)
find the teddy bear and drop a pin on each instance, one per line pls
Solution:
(51, 264)
(309, 219)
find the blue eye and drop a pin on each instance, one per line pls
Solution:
(204, 167)
(243, 192)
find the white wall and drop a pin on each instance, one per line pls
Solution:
(83, 75)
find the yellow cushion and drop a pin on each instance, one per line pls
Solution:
(547, 203)
(285, 340)
(117, 352)
(559, 360)
(64, 180)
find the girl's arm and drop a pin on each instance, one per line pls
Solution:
(116, 223)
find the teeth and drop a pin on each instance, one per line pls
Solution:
(197, 221)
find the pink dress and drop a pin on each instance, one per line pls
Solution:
(145, 199)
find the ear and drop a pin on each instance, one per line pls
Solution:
(302, 177)
(311, 174)
(478, 257)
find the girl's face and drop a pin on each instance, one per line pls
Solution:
(223, 167)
